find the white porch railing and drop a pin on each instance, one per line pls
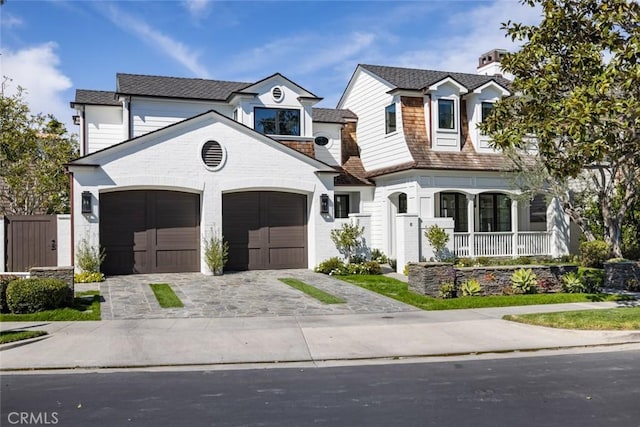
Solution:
(529, 243)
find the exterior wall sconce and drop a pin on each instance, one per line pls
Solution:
(76, 120)
(86, 202)
(324, 204)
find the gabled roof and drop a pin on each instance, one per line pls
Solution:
(88, 160)
(95, 97)
(333, 115)
(309, 95)
(177, 87)
(418, 79)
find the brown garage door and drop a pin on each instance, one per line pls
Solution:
(147, 231)
(265, 230)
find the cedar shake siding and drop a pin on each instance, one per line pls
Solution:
(413, 122)
(465, 136)
(349, 142)
(305, 147)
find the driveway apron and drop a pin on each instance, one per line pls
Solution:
(242, 294)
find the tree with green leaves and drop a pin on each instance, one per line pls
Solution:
(33, 151)
(575, 112)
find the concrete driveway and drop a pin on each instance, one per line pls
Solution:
(242, 294)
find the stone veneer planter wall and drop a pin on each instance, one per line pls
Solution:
(426, 278)
(619, 275)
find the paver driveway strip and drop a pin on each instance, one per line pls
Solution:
(242, 294)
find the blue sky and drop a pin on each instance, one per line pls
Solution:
(54, 47)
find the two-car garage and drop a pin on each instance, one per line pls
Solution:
(154, 231)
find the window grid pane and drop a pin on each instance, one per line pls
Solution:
(446, 118)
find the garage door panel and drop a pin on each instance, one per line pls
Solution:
(265, 230)
(148, 231)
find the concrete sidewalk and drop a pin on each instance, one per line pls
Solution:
(211, 341)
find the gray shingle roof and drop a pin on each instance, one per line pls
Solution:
(95, 97)
(413, 78)
(332, 115)
(176, 87)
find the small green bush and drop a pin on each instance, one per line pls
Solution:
(4, 282)
(471, 288)
(373, 267)
(36, 294)
(405, 270)
(632, 285)
(483, 261)
(466, 262)
(572, 283)
(89, 258)
(216, 252)
(524, 281)
(594, 253)
(448, 290)
(592, 278)
(88, 277)
(522, 260)
(378, 255)
(330, 265)
(438, 239)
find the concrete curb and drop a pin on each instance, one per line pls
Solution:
(14, 344)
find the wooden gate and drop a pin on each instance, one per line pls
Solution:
(31, 241)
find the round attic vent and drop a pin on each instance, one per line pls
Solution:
(212, 154)
(277, 94)
(321, 140)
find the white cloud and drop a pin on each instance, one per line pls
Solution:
(460, 53)
(178, 51)
(11, 21)
(197, 8)
(37, 69)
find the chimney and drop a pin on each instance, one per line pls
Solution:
(489, 63)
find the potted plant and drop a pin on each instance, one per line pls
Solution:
(216, 252)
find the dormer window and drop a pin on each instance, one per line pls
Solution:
(487, 107)
(390, 118)
(277, 121)
(446, 114)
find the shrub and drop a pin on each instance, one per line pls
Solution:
(594, 253)
(89, 258)
(4, 282)
(330, 265)
(483, 261)
(592, 278)
(377, 255)
(88, 277)
(33, 295)
(405, 270)
(448, 290)
(522, 260)
(572, 283)
(632, 285)
(545, 285)
(466, 262)
(216, 252)
(471, 287)
(438, 239)
(373, 267)
(347, 239)
(523, 281)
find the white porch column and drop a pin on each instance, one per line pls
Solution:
(558, 224)
(64, 240)
(471, 216)
(407, 240)
(514, 228)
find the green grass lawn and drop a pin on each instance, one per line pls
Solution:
(398, 290)
(165, 295)
(12, 336)
(86, 306)
(623, 318)
(314, 292)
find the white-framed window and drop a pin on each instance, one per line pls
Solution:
(390, 118)
(341, 206)
(446, 114)
(486, 109)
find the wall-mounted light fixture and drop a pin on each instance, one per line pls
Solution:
(86, 202)
(76, 120)
(324, 204)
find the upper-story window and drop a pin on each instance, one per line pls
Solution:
(487, 107)
(390, 118)
(446, 114)
(277, 121)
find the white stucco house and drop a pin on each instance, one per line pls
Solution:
(167, 161)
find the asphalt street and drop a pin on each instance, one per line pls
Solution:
(591, 389)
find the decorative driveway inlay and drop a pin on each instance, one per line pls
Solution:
(242, 294)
